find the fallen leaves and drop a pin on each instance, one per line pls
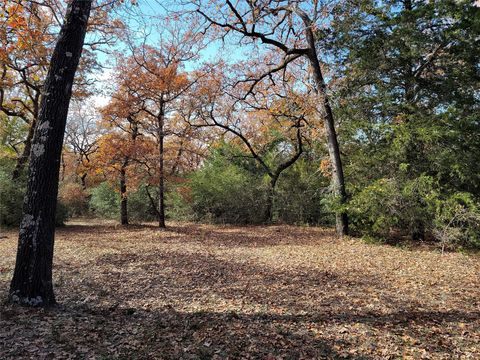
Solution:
(220, 292)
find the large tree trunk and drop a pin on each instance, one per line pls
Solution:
(32, 279)
(333, 147)
(123, 194)
(161, 180)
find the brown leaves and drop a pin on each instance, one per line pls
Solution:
(221, 292)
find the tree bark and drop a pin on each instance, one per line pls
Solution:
(333, 147)
(83, 181)
(270, 199)
(32, 279)
(161, 180)
(123, 194)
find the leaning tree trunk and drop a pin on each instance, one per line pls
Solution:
(161, 170)
(333, 147)
(32, 279)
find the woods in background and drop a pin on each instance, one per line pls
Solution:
(358, 114)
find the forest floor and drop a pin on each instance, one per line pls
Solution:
(222, 292)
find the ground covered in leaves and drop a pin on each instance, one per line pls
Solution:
(219, 292)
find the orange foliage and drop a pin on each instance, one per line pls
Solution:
(326, 167)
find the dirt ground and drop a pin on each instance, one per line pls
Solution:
(221, 292)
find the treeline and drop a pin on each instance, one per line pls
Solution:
(223, 190)
(358, 114)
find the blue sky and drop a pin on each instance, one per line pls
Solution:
(146, 17)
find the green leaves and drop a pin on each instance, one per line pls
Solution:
(409, 111)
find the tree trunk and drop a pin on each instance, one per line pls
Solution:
(177, 160)
(333, 147)
(64, 167)
(152, 202)
(32, 279)
(83, 181)
(270, 199)
(123, 194)
(161, 180)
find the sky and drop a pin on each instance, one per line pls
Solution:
(145, 17)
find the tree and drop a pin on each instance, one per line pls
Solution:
(272, 131)
(289, 28)
(26, 41)
(408, 77)
(117, 150)
(156, 79)
(118, 157)
(32, 279)
(81, 140)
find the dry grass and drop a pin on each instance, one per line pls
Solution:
(212, 292)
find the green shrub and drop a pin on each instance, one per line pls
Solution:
(61, 214)
(179, 203)
(226, 193)
(388, 205)
(105, 201)
(300, 195)
(457, 222)
(11, 198)
(139, 205)
(230, 188)
(373, 210)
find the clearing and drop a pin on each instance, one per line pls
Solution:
(261, 292)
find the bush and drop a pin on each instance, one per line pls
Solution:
(226, 193)
(11, 198)
(457, 222)
(179, 203)
(373, 210)
(388, 205)
(139, 205)
(105, 201)
(232, 189)
(74, 198)
(61, 215)
(300, 195)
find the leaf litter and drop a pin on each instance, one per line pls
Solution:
(258, 292)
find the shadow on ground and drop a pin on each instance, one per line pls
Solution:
(148, 294)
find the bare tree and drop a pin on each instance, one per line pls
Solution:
(81, 137)
(215, 107)
(288, 27)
